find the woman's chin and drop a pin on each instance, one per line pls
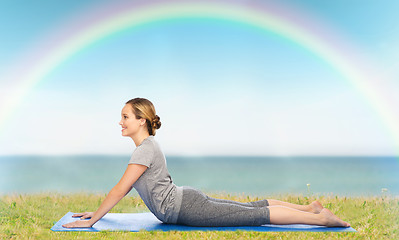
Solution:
(125, 135)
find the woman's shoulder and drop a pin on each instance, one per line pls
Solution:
(145, 150)
(148, 144)
(149, 149)
(151, 143)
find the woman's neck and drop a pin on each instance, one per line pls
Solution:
(139, 138)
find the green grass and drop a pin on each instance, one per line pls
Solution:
(32, 216)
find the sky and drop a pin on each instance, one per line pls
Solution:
(220, 87)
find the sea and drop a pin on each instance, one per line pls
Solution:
(261, 176)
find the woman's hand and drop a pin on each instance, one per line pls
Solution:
(84, 215)
(78, 224)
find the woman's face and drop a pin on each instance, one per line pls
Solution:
(130, 125)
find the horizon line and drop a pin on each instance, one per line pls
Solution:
(191, 156)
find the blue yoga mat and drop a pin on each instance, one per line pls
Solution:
(135, 222)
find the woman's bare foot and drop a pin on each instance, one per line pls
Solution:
(331, 220)
(315, 207)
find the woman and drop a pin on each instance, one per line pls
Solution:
(147, 173)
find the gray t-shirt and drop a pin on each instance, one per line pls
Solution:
(155, 186)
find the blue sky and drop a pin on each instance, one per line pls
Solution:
(220, 88)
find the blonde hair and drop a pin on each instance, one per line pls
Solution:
(143, 108)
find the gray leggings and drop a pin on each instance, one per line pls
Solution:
(197, 209)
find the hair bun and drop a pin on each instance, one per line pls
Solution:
(156, 123)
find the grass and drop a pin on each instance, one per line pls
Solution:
(31, 216)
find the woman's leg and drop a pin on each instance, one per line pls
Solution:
(197, 209)
(294, 211)
(286, 215)
(314, 207)
(260, 203)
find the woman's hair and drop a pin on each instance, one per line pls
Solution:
(143, 108)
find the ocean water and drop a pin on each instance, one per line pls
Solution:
(256, 176)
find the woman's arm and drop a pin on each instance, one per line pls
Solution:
(132, 173)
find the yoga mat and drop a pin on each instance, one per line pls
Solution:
(135, 222)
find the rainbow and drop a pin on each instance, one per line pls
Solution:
(111, 20)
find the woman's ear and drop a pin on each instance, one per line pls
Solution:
(142, 121)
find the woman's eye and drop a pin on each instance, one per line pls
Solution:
(124, 117)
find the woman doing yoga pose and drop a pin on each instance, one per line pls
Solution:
(147, 173)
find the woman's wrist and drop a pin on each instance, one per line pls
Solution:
(91, 222)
